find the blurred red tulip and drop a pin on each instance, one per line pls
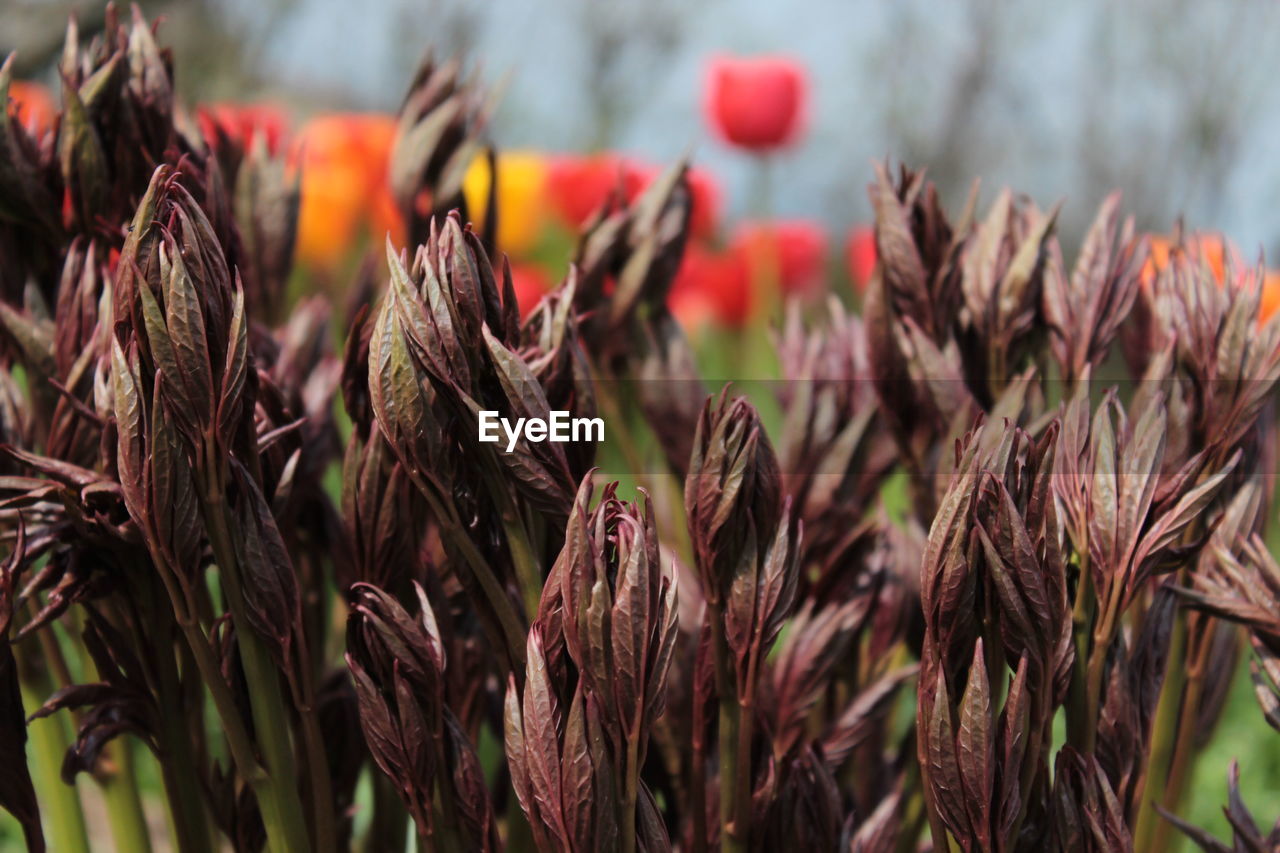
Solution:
(860, 255)
(756, 103)
(242, 122)
(705, 218)
(530, 283)
(791, 253)
(32, 105)
(712, 286)
(579, 185)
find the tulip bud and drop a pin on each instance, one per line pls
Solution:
(117, 118)
(1086, 815)
(910, 310)
(1120, 509)
(155, 477)
(993, 591)
(380, 548)
(26, 196)
(400, 395)
(1003, 270)
(81, 339)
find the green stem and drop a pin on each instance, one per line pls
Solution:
(179, 771)
(1163, 738)
(914, 809)
(322, 809)
(523, 559)
(1103, 634)
(184, 800)
(732, 840)
(115, 770)
(124, 805)
(389, 825)
(762, 191)
(746, 727)
(317, 764)
(59, 803)
(277, 789)
(1197, 643)
(238, 741)
(1080, 729)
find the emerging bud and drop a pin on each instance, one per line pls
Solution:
(266, 202)
(1084, 311)
(618, 611)
(117, 120)
(398, 665)
(638, 248)
(733, 494)
(549, 345)
(565, 775)
(442, 126)
(175, 295)
(446, 332)
(834, 451)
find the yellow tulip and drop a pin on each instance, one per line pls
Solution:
(522, 178)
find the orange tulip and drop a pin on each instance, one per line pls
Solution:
(32, 106)
(1270, 302)
(522, 184)
(1214, 250)
(1211, 248)
(344, 161)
